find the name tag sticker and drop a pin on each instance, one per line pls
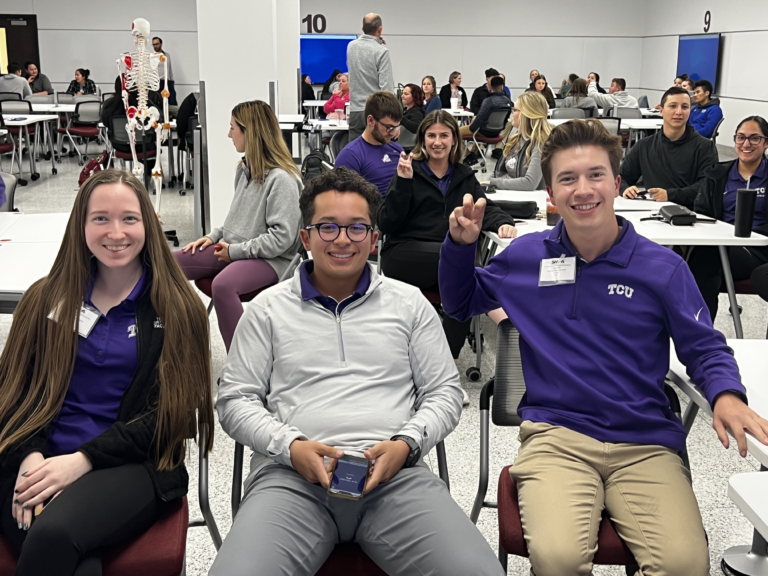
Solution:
(88, 318)
(555, 271)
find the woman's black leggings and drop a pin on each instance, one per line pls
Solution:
(416, 263)
(103, 508)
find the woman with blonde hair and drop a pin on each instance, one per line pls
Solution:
(521, 166)
(260, 234)
(94, 421)
(431, 99)
(453, 90)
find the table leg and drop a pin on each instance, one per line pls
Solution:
(731, 291)
(748, 560)
(32, 164)
(49, 132)
(171, 164)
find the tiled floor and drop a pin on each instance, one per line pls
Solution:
(711, 464)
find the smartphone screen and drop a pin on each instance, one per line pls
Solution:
(349, 477)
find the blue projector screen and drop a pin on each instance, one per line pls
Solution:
(321, 54)
(698, 56)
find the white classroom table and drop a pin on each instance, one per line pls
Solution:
(53, 108)
(21, 121)
(311, 105)
(635, 124)
(330, 125)
(540, 197)
(752, 358)
(748, 490)
(290, 118)
(16, 227)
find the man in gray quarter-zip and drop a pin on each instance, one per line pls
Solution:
(342, 361)
(370, 70)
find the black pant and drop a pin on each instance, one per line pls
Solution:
(416, 263)
(103, 508)
(707, 269)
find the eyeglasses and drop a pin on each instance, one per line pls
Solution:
(329, 231)
(389, 129)
(753, 139)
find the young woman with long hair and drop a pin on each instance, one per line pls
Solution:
(94, 421)
(540, 85)
(413, 100)
(339, 100)
(521, 167)
(578, 97)
(431, 99)
(260, 235)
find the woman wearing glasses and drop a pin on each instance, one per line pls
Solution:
(260, 235)
(430, 183)
(717, 198)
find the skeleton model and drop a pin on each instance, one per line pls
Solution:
(141, 76)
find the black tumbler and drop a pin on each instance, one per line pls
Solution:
(745, 212)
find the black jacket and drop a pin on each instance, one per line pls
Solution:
(494, 101)
(130, 439)
(549, 96)
(478, 96)
(415, 209)
(709, 201)
(678, 166)
(412, 118)
(445, 96)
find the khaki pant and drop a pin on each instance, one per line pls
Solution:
(566, 479)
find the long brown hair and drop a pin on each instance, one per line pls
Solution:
(438, 117)
(40, 353)
(264, 145)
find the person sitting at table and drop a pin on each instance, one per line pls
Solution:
(717, 198)
(540, 85)
(307, 93)
(482, 92)
(617, 95)
(81, 84)
(673, 161)
(333, 81)
(597, 432)
(337, 106)
(38, 82)
(430, 183)
(532, 76)
(453, 90)
(431, 99)
(566, 86)
(260, 235)
(578, 97)
(595, 77)
(94, 421)
(688, 85)
(13, 81)
(521, 168)
(413, 100)
(187, 109)
(706, 113)
(374, 154)
(496, 101)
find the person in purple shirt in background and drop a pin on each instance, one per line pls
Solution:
(373, 155)
(717, 198)
(93, 421)
(595, 305)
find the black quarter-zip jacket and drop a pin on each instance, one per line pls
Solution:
(415, 208)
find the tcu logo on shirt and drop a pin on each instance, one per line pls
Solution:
(132, 331)
(620, 289)
(386, 158)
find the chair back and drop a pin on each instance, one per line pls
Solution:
(86, 98)
(717, 129)
(497, 120)
(325, 95)
(407, 139)
(106, 96)
(15, 107)
(10, 191)
(117, 130)
(64, 98)
(643, 101)
(568, 113)
(40, 99)
(9, 96)
(626, 112)
(613, 125)
(509, 384)
(87, 113)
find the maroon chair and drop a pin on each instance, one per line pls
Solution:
(159, 551)
(496, 122)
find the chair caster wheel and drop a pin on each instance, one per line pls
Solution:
(182, 192)
(79, 162)
(473, 374)
(71, 154)
(22, 182)
(731, 311)
(47, 156)
(188, 185)
(175, 243)
(54, 171)
(35, 176)
(727, 570)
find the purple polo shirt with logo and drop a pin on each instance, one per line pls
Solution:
(377, 164)
(104, 368)
(595, 352)
(757, 182)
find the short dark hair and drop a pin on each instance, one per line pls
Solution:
(572, 78)
(158, 38)
(706, 85)
(84, 72)
(29, 63)
(674, 91)
(416, 93)
(383, 103)
(372, 26)
(759, 120)
(340, 179)
(620, 82)
(573, 133)
(491, 72)
(498, 83)
(14, 67)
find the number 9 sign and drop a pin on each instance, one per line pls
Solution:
(707, 20)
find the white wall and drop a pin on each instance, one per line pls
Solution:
(742, 86)
(83, 34)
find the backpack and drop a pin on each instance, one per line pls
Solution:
(96, 165)
(312, 166)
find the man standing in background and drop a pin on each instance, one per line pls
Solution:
(157, 44)
(370, 70)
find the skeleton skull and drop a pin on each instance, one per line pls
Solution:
(140, 27)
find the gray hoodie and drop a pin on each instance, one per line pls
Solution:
(370, 70)
(14, 83)
(622, 98)
(264, 219)
(298, 371)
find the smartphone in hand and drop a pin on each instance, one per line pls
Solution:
(349, 477)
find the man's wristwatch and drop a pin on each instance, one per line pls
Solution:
(415, 454)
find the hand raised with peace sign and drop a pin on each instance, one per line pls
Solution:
(466, 221)
(405, 166)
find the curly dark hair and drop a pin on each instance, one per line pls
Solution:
(340, 179)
